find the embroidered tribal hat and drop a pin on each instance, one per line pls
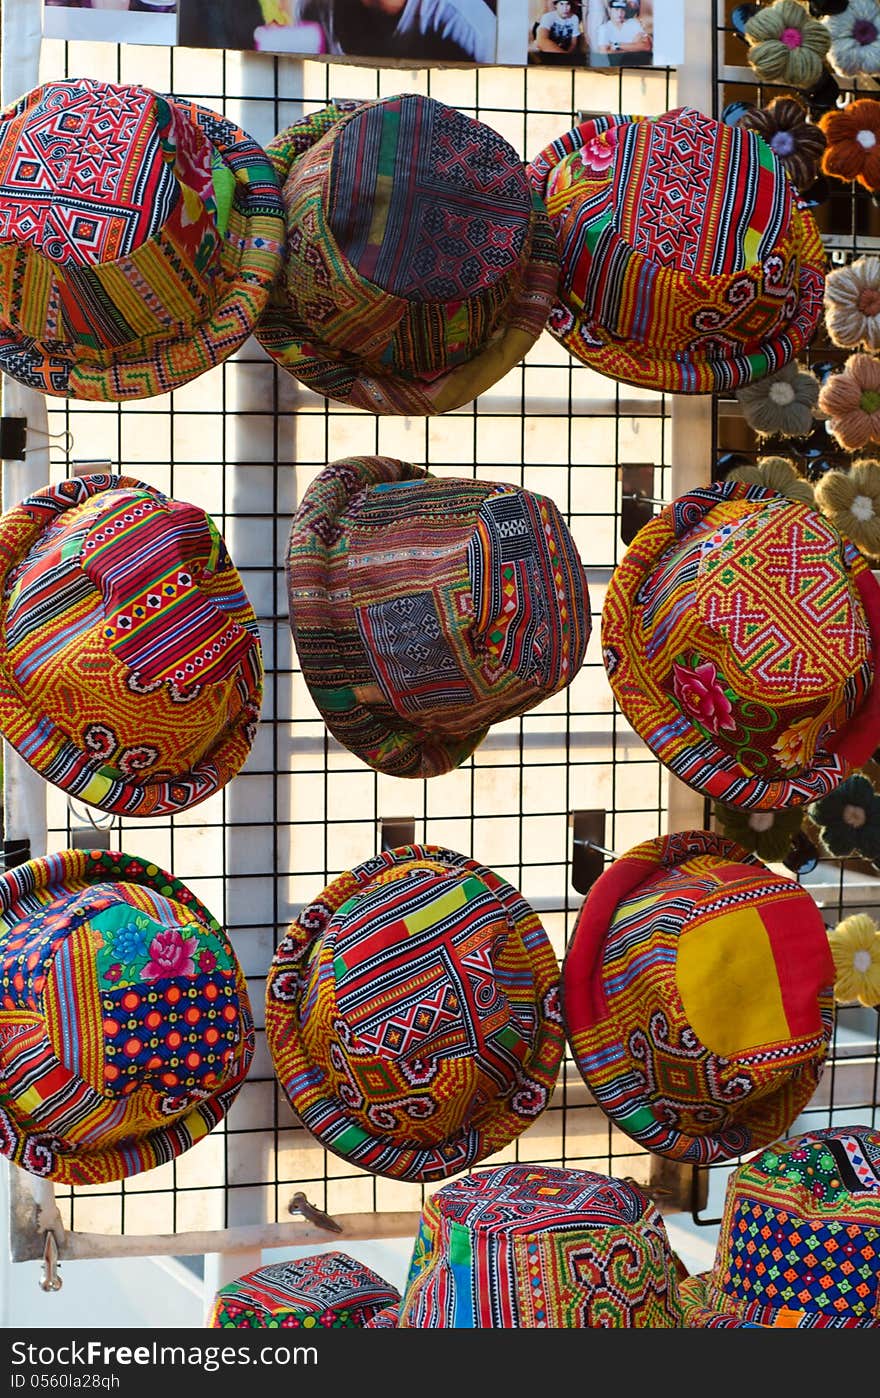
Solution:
(688, 263)
(139, 236)
(697, 997)
(420, 267)
(125, 1027)
(329, 1291)
(799, 1247)
(412, 1014)
(526, 1246)
(130, 665)
(740, 633)
(425, 609)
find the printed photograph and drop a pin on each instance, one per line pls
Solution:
(600, 33)
(417, 31)
(111, 21)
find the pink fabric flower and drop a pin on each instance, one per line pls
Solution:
(170, 955)
(193, 162)
(598, 153)
(207, 962)
(701, 694)
(851, 400)
(113, 973)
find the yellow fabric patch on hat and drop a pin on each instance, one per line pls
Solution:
(436, 910)
(727, 978)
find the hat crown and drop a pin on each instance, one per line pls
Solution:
(778, 653)
(801, 1229)
(123, 1005)
(683, 246)
(534, 1199)
(109, 195)
(438, 936)
(156, 621)
(470, 600)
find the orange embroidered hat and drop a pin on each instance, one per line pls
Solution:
(139, 236)
(741, 634)
(131, 673)
(697, 997)
(688, 261)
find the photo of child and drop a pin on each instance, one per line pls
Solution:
(429, 31)
(557, 33)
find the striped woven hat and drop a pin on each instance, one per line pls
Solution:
(531, 1247)
(328, 1291)
(125, 1027)
(420, 267)
(741, 635)
(697, 997)
(130, 666)
(799, 1247)
(425, 609)
(139, 236)
(688, 263)
(412, 1014)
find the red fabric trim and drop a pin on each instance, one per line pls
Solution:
(859, 739)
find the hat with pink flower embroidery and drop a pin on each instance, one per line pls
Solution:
(740, 634)
(689, 262)
(125, 1024)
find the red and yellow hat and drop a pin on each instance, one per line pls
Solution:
(688, 262)
(697, 997)
(741, 635)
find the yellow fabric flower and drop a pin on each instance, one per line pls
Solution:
(793, 748)
(855, 946)
(775, 473)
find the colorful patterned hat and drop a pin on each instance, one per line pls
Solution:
(125, 1026)
(329, 1291)
(425, 609)
(420, 267)
(688, 263)
(697, 997)
(130, 665)
(526, 1246)
(799, 1247)
(412, 1013)
(139, 236)
(741, 635)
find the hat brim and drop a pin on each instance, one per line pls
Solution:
(680, 372)
(374, 733)
(341, 376)
(584, 1006)
(250, 260)
(689, 752)
(49, 750)
(50, 878)
(706, 1308)
(328, 1117)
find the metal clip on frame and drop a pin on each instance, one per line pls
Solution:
(588, 848)
(50, 1276)
(637, 499)
(396, 831)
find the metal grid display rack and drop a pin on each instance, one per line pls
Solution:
(243, 442)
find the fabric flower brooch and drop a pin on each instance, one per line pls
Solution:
(851, 402)
(855, 38)
(786, 45)
(780, 404)
(768, 834)
(775, 473)
(852, 304)
(855, 947)
(797, 142)
(851, 500)
(849, 819)
(853, 152)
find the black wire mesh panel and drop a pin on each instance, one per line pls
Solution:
(850, 225)
(243, 442)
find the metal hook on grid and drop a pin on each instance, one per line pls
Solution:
(89, 833)
(50, 1275)
(643, 499)
(299, 1204)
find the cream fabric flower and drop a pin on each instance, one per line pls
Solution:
(851, 500)
(855, 946)
(852, 304)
